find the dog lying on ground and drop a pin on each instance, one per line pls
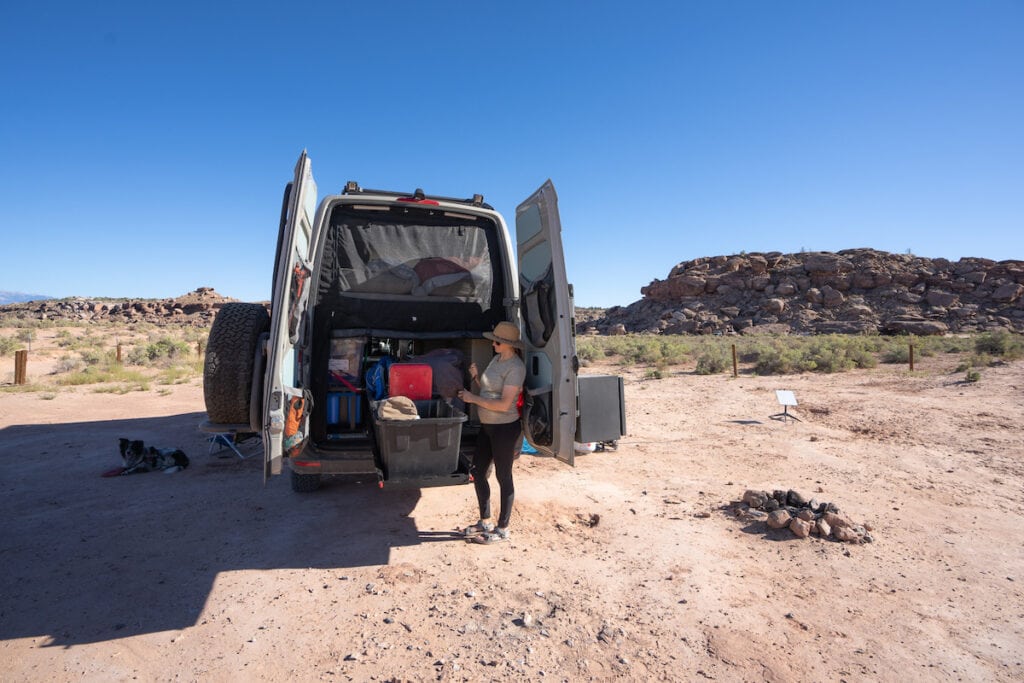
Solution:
(138, 457)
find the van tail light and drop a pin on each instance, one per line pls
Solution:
(307, 464)
(419, 198)
(413, 200)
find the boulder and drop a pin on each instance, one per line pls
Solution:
(799, 527)
(778, 519)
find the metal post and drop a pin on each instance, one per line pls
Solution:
(20, 366)
(735, 367)
(119, 353)
(911, 357)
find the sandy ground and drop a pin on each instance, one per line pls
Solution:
(629, 566)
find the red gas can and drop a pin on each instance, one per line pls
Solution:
(412, 380)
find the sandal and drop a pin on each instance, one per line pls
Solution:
(477, 529)
(499, 535)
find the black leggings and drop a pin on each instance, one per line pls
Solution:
(496, 444)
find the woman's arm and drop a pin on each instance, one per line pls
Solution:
(509, 396)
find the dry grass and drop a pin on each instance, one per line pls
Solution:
(85, 356)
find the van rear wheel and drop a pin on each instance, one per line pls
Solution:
(230, 359)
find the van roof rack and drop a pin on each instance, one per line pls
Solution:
(352, 187)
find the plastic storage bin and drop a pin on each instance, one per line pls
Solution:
(343, 408)
(346, 361)
(423, 448)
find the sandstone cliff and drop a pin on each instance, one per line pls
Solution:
(852, 291)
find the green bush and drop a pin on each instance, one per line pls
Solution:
(8, 345)
(1001, 343)
(162, 350)
(711, 364)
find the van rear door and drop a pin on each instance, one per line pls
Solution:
(549, 330)
(289, 300)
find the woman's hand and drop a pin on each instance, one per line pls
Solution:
(474, 373)
(468, 396)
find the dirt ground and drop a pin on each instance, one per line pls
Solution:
(629, 566)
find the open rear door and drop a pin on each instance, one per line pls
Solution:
(549, 330)
(289, 300)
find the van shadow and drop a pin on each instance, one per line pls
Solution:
(89, 558)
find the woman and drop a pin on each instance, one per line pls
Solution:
(500, 430)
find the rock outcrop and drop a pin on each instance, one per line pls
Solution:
(851, 291)
(196, 308)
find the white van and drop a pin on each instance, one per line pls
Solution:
(370, 281)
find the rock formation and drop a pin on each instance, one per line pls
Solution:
(196, 308)
(851, 291)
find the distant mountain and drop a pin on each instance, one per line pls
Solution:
(19, 297)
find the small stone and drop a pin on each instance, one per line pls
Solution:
(795, 499)
(806, 515)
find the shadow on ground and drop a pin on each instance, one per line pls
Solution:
(88, 558)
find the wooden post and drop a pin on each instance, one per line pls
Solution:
(20, 365)
(199, 348)
(118, 353)
(911, 357)
(735, 367)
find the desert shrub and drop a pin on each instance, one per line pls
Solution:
(782, 361)
(96, 357)
(27, 336)
(105, 373)
(711, 363)
(1000, 343)
(180, 374)
(897, 353)
(161, 351)
(972, 376)
(8, 345)
(587, 350)
(68, 364)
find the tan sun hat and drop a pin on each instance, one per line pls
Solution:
(506, 333)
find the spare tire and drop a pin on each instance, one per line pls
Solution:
(230, 356)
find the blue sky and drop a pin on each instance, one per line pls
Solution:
(144, 150)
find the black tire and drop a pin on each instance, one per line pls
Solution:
(230, 355)
(305, 483)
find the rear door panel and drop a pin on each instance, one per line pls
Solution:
(288, 310)
(549, 331)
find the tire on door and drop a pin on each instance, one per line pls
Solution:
(230, 359)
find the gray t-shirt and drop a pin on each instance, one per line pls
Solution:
(498, 375)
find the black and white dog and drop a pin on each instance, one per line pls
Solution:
(141, 458)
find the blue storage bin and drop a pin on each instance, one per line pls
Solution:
(344, 408)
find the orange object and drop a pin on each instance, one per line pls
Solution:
(293, 419)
